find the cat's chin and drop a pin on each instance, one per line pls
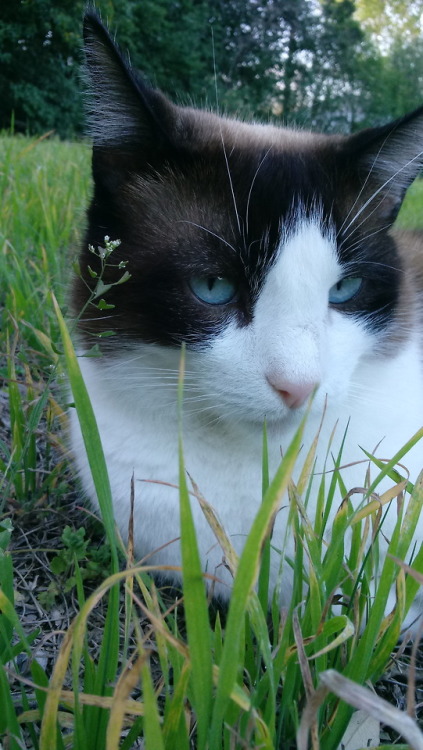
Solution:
(279, 418)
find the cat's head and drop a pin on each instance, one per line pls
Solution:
(266, 250)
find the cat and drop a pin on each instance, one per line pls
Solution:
(268, 251)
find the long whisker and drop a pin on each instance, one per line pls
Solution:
(363, 221)
(251, 188)
(351, 266)
(363, 239)
(209, 231)
(223, 143)
(382, 187)
(238, 221)
(363, 186)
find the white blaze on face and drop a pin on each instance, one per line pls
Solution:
(292, 311)
(295, 341)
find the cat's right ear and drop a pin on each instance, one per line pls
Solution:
(125, 115)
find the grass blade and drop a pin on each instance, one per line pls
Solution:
(90, 434)
(195, 600)
(244, 582)
(110, 644)
(152, 728)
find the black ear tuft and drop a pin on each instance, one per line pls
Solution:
(123, 111)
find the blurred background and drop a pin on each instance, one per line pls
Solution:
(332, 65)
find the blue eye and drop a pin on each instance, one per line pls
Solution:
(344, 290)
(214, 290)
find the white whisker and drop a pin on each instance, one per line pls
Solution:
(361, 241)
(199, 226)
(383, 186)
(362, 187)
(247, 211)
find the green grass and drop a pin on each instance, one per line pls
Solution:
(244, 678)
(411, 214)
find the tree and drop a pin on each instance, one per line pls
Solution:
(39, 66)
(388, 20)
(336, 86)
(312, 62)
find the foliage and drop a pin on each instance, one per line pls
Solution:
(39, 62)
(78, 560)
(382, 17)
(327, 63)
(260, 671)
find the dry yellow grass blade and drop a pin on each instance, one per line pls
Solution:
(307, 468)
(34, 143)
(64, 718)
(239, 695)
(360, 698)
(408, 569)
(347, 632)
(374, 505)
(48, 734)
(67, 698)
(126, 683)
(161, 628)
(231, 557)
(305, 674)
(133, 708)
(74, 639)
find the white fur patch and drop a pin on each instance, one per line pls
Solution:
(293, 336)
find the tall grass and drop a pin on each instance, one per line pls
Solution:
(173, 671)
(44, 187)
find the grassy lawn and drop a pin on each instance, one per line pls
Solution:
(92, 653)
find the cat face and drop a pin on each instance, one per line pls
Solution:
(267, 251)
(296, 341)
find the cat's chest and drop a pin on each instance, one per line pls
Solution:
(383, 408)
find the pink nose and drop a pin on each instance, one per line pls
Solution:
(294, 395)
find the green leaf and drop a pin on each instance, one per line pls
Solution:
(58, 565)
(152, 729)
(101, 288)
(195, 600)
(102, 305)
(106, 334)
(8, 719)
(109, 651)
(125, 277)
(6, 528)
(244, 581)
(95, 351)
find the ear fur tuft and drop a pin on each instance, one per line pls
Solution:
(389, 159)
(122, 109)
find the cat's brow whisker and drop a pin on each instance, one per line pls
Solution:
(363, 186)
(231, 184)
(361, 241)
(209, 231)
(364, 220)
(383, 186)
(247, 211)
(352, 265)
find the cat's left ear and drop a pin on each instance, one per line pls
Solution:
(123, 111)
(388, 159)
